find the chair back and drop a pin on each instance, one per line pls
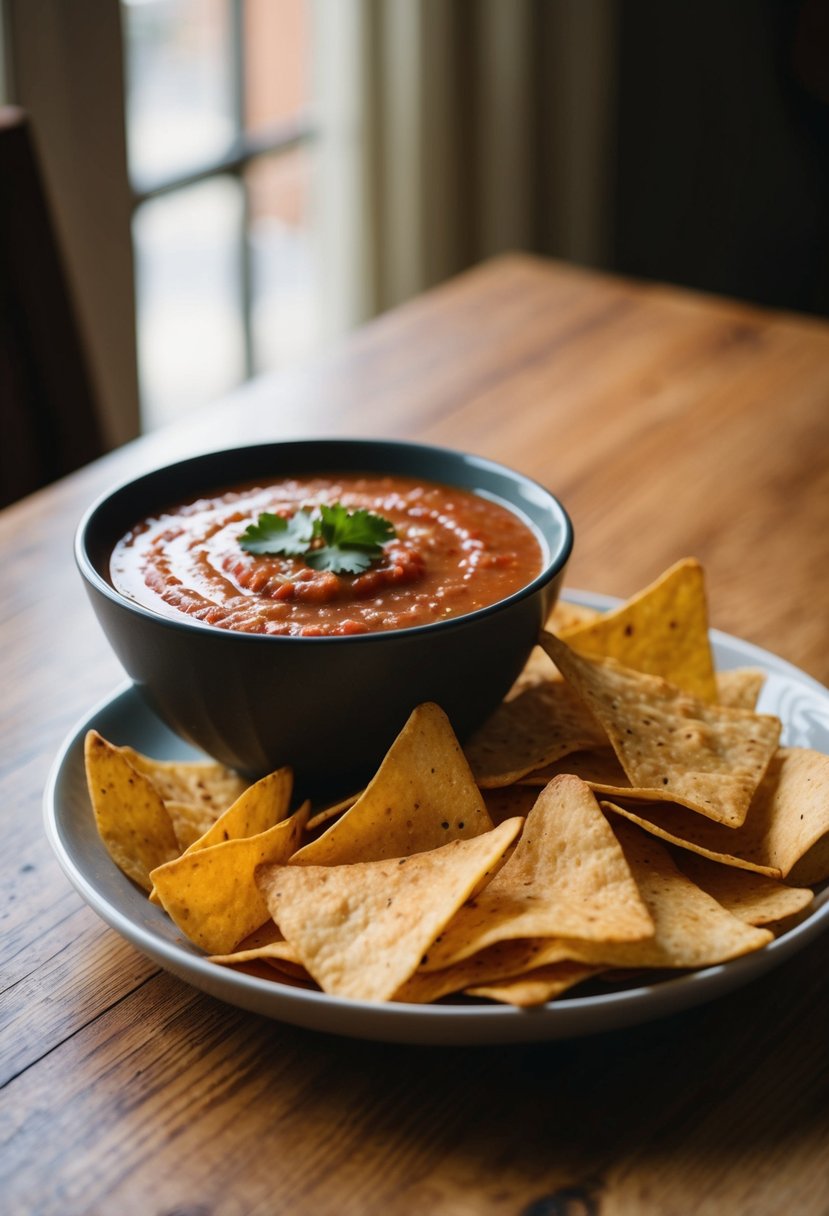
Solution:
(49, 422)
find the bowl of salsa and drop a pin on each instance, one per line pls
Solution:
(290, 603)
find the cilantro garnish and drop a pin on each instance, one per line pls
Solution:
(329, 538)
(276, 534)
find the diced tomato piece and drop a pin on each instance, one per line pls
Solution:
(320, 590)
(350, 627)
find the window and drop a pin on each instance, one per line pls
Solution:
(214, 169)
(221, 156)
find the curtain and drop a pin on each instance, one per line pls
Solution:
(453, 130)
(683, 142)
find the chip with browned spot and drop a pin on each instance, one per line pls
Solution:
(257, 808)
(130, 814)
(672, 745)
(537, 727)
(691, 929)
(361, 929)
(190, 820)
(211, 894)
(422, 796)
(662, 631)
(783, 834)
(206, 783)
(566, 878)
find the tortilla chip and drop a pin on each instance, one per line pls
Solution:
(281, 951)
(503, 960)
(787, 820)
(130, 814)
(539, 726)
(292, 974)
(325, 814)
(362, 929)
(190, 821)
(753, 898)
(691, 928)
(202, 783)
(538, 987)
(267, 945)
(813, 867)
(265, 935)
(257, 808)
(211, 894)
(567, 878)
(707, 757)
(600, 767)
(538, 669)
(597, 766)
(678, 826)
(662, 631)
(509, 801)
(422, 796)
(740, 687)
(567, 616)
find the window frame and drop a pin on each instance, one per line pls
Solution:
(245, 148)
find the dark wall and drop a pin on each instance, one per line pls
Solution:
(722, 147)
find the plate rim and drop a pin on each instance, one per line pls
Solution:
(402, 1022)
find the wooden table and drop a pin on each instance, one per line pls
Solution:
(670, 424)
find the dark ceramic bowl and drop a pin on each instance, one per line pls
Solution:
(328, 706)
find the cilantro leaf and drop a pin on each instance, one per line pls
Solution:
(340, 561)
(341, 528)
(351, 540)
(278, 535)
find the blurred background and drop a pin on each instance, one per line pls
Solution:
(238, 183)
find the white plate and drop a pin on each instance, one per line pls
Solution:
(801, 703)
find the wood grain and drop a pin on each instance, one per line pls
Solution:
(670, 424)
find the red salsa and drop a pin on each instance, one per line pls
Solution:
(454, 552)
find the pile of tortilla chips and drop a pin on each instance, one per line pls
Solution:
(624, 814)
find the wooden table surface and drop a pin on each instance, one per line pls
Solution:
(670, 424)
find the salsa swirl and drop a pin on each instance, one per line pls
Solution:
(454, 552)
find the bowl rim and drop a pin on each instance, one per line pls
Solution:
(556, 562)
